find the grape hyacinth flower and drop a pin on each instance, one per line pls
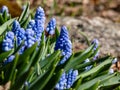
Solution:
(67, 80)
(114, 60)
(71, 77)
(31, 24)
(51, 26)
(96, 56)
(9, 59)
(39, 24)
(16, 27)
(38, 29)
(40, 15)
(30, 39)
(88, 67)
(3, 9)
(8, 42)
(96, 42)
(63, 43)
(62, 82)
(111, 71)
(20, 36)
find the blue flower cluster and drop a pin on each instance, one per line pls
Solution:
(63, 43)
(38, 26)
(31, 35)
(67, 80)
(96, 42)
(51, 26)
(40, 15)
(9, 59)
(62, 82)
(8, 42)
(19, 32)
(71, 77)
(31, 24)
(19, 35)
(30, 39)
(3, 9)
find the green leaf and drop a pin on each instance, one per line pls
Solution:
(94, 86)
(54, 80)
(27, 53)
(20, 81)
(110, 82)
(96, 69)
(92, 62)
(4, 26)
(1, 19)
(48, 60)
(77, 83)
(86, 38)
(23, 68)
(24, 13)
(77, 60)
(13, 68)
(25, 60)
(4, 55)
(24, 23)
(90, 83)
(43, 79)
(5, 16)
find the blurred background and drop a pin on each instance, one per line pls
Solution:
(75, 8)
(96, 18)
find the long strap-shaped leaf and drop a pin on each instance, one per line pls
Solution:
(42, 80)
(4, 26)
(24, 13)
(54, 80)
(77, 60)
(5, 55)
(95, 69)
(48, 60)
(90, 83)
(109, 83)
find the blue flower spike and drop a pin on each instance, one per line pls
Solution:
(96, 42)
(15, 27)
(51, 26)
(64, 44)
(71, 77)
(62, 82)
(8, 42)
(40, 15)
(67, 80)
(9, 59)
(30, 39)
(39, 24)
(31, 24)
(4, 9)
